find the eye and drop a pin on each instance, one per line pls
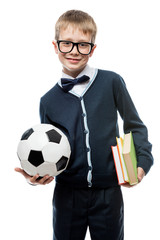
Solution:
(84, 45)
(66, 44)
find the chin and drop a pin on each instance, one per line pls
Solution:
(73, 70)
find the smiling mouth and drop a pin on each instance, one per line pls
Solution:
(74, 60)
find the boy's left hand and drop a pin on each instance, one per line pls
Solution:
(141, 174)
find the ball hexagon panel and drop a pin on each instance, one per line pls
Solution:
(23, 150)
(43, 127)
(52, 152)
(29, 168)
(38, 140)
(47, 168)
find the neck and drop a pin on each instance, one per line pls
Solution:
(71, 73)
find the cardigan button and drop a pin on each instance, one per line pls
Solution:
(83, 114)
(89, 168)
(89, 184)
(88, 149)
(85, 131)
(80, 98)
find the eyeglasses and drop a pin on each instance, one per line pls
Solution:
(83, 48)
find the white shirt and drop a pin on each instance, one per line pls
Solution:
(79, 88)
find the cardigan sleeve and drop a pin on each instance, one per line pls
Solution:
(132, 122)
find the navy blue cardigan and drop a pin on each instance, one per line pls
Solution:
(90, 122)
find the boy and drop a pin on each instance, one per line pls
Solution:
(84, 104)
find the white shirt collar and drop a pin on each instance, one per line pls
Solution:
(79, 89)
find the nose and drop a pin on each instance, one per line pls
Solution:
(75, 50)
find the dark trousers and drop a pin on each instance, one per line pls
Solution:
(99, 209)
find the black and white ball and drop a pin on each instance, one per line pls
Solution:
(44, 149)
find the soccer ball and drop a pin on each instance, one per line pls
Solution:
(44, 149)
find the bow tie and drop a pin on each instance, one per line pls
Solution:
(68, 83)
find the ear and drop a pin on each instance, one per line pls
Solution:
(93, 50)
(55, 46)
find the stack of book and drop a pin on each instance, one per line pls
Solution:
(125, 160)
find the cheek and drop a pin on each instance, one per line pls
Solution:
(85, 58)
(61, 56)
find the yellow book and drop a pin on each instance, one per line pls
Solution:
(124, 170)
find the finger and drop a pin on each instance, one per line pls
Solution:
(127, 185)
(49, 180)
(22, 172)
(44, 180)
(141, 174)
(18, 170)
(34, 179)
(140, 177)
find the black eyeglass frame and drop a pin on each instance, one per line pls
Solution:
(75, 44)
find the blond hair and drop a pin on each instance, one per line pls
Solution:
(78, 19)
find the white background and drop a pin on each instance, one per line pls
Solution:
(128, 42)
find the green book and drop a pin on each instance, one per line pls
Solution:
(129, 155)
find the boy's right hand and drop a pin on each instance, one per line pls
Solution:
(34, 180)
